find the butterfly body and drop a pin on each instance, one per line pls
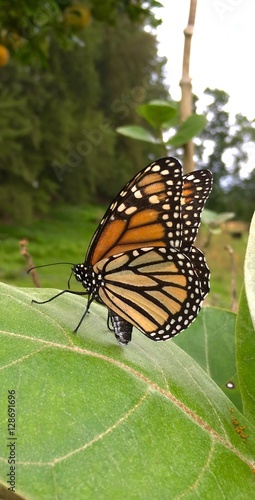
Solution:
(141, 262)
(121, 328)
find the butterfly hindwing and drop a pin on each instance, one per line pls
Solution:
(201, 269)
(196, 189)
(156, 290)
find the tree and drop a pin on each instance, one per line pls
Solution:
(220, 148)
(27, 28)
(59, 122)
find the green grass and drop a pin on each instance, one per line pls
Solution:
(220, 264)
(65, 236)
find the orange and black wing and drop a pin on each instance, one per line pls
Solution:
(146, 213)
(201, 269)
(156, 290)
(196, 189)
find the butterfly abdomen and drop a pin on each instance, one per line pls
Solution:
(122, 329)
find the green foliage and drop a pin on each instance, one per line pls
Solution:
(249, 271)
(158, 113)
(213, 219)
(191, 127)
(194, 393)
(226, 140)
(57, 122)
(99, 393)
(162, 115)
(137, 132)
(210, 341)
(245, 342)
(28, 28)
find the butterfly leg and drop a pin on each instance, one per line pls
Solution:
(122, 329)
(90, 300)
(74, 293)
(58, 295)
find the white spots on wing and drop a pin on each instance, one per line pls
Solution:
(121, 207)
(138, 194)
(154, 199)
(130, 210)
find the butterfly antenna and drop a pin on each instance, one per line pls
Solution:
(47, 265)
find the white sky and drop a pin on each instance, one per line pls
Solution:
(222, 50)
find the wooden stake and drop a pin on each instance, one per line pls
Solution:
(186, 87)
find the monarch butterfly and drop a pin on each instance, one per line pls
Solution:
(141, 262)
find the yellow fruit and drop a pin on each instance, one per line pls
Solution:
(78, 16)
(4, 55)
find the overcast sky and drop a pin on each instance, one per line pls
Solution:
(222, 52)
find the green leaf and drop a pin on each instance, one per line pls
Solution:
(210, 341)
(187, 130)
(156, 4)
(137, 132)
(136, 421)
(157, 113)
(213, 219)
(245, 349)
(249, 271)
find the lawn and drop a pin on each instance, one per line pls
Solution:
(65, 236)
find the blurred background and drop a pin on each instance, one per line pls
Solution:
(72, 74)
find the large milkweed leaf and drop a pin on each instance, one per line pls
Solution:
(97, 419)
(249, 271)
(245, 351)
(210, 341)
(245, 330)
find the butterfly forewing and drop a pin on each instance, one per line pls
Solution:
(147, 212)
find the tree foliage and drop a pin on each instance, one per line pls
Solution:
(221, 147)
(27, 28)
(58, 121)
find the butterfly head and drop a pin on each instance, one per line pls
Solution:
(88, 278)
(82, 273)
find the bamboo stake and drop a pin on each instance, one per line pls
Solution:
(186, 87)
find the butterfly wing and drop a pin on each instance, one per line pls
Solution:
(201, 269)
(147, 212)
(141, 262)
(154, 289)
(196, 189)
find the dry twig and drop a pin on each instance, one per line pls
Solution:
(24, 251)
